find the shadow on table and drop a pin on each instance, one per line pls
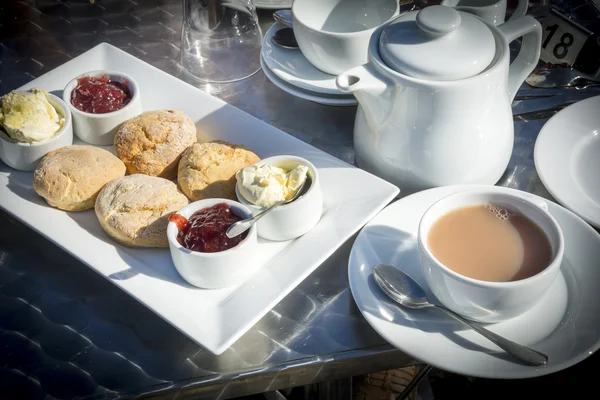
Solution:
(65, 321)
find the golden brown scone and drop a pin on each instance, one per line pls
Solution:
(152, 142)
(208, 170)
(71, 177)
(134, 210)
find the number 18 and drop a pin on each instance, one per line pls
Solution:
(562, 48)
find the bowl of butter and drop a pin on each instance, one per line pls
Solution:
(32, 123)
(278, 178)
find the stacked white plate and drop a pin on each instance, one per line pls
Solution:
(273, 4)
(289, 70)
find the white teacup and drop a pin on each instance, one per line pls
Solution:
(482, 300)
(334, 34)
(492, 11)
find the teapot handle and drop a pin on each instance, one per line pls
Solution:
(531, 31)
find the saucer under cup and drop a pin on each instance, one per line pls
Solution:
(295, 90)
(293, 69)
(564, 324)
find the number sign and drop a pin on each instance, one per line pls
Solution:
(562, 40)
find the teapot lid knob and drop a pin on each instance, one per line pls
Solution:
(437, 43)
(438, 20)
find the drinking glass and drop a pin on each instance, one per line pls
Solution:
(220, 40)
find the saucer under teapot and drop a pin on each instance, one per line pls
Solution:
(434, 98)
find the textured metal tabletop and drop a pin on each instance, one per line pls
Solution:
(66, 332)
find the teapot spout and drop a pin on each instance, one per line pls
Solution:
(372, 90)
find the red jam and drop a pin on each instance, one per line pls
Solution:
(205, 230)
(100, 95)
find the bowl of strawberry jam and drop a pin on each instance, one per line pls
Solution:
(201, 251)
(99, 102)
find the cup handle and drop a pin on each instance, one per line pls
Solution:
(530, 29)
(520, 10)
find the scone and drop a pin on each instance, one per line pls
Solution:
(152, 142)
(71, 177)
(208, 170)
(134, 210)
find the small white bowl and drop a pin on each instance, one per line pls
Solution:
(100, 129)
(213, 270)
(296, 218)
(25, 156)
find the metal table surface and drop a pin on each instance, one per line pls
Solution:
(66, 332)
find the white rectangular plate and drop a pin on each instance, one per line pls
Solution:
(213, 318)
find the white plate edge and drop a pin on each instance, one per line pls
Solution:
(537, 162)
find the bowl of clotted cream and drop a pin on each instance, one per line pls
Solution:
(32, 123)
(275, 179)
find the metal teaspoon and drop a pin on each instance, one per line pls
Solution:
(561, 77)
(285, 38)
(405, 291)
(242, 226)
(283, 16)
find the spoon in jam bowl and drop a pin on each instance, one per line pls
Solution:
(242, 226)
(409, 294)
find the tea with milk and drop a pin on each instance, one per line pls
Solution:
(489, 243)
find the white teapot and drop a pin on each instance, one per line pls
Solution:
(435, 97)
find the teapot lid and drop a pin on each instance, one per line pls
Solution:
(437, 43)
